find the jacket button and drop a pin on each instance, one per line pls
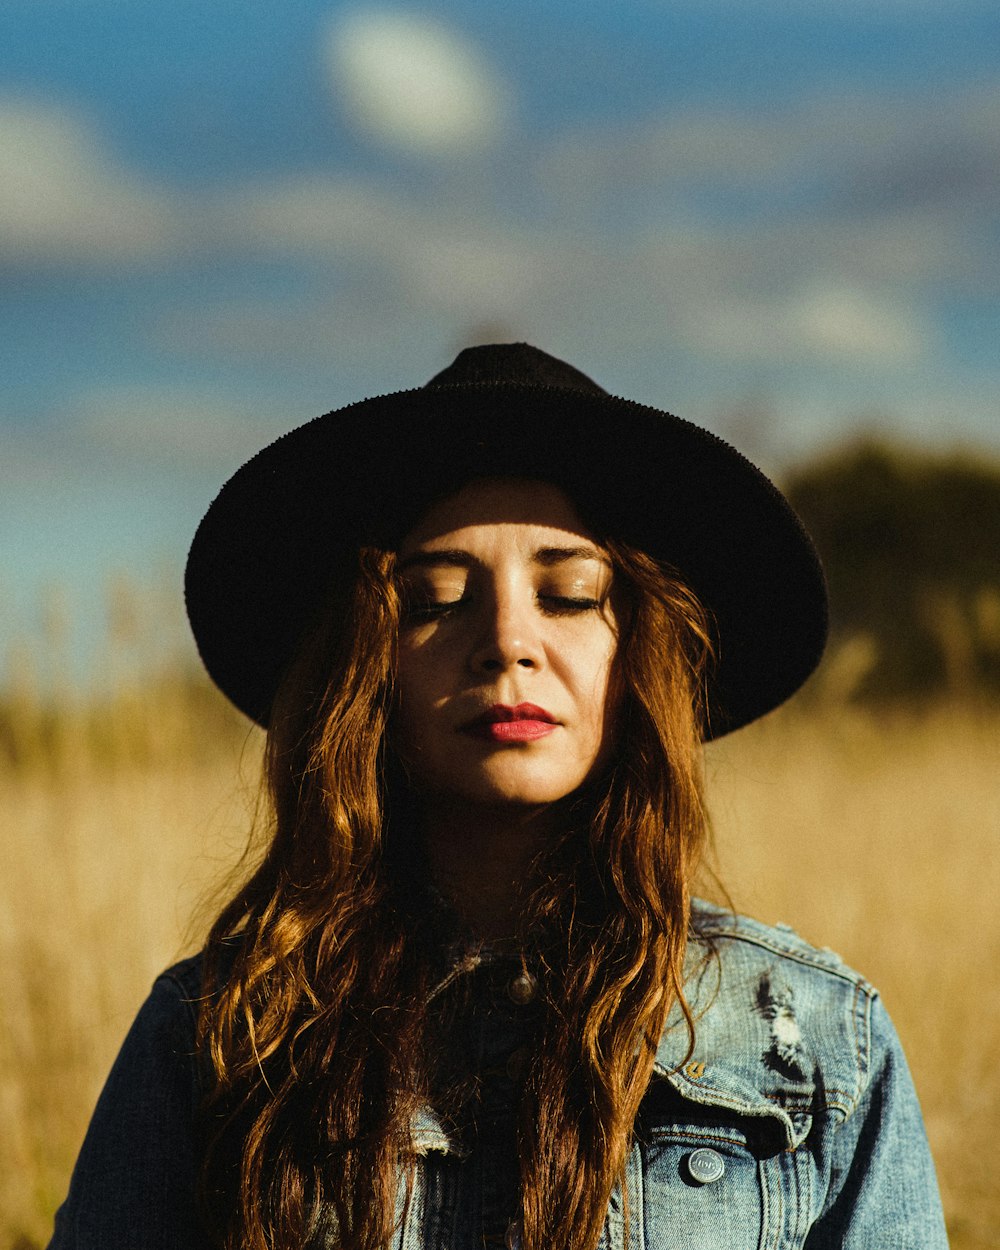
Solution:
(705, 1166)
(522, 989)
(512, 1237)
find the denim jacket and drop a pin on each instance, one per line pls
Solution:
(794, 1122)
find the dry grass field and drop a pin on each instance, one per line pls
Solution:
(877, 836)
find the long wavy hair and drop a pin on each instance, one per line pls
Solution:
(319, 1024)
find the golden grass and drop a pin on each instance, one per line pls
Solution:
(875, 836)
(879, 837)
(117, 830)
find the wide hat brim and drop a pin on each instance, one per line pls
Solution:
(288, 523)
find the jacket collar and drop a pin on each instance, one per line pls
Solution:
(726, 1069)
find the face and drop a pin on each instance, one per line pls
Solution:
(506, 647)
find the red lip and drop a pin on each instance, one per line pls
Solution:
(500, 712)
(501, 723)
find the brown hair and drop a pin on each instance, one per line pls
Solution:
(318, 1020)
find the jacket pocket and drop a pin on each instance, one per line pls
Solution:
(702, 1189)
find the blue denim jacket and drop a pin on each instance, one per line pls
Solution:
(794, 1122)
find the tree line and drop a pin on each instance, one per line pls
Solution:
(911, 544)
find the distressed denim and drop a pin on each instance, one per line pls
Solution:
(794, 1122)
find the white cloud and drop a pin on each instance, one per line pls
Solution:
(834, 320)
(63, 197)
(825, 229)
(824, 320)
(172, 424)
(855, 9)
(414, 84)
(841, 277)
(455, 257)
(316, 215)
(796, 293)
(872, 151)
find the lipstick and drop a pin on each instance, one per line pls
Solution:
(500, 723)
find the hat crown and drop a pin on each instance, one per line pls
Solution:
(512, 363)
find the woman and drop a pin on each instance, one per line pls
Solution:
(466, 999)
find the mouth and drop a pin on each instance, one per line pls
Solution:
(501, 723)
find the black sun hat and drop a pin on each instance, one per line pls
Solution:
(287, 525)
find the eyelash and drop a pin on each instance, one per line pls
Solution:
(555, 605)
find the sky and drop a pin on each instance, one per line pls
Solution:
(219, 220)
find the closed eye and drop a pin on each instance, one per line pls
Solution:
(433, 611)
(554, 605)
(560, 605)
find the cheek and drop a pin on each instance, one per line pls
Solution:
(612, 703)
(598, 691)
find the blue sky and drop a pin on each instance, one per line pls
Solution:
(220, 219)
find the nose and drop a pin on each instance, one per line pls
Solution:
(508, 635)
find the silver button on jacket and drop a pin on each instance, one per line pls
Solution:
(793, 1120)
(522, 989)
(706, 1166)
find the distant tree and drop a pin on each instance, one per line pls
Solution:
(911, 544)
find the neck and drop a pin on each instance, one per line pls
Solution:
(484, 860)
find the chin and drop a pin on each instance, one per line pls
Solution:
(518, 791)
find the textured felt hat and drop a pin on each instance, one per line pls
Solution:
(287, 525)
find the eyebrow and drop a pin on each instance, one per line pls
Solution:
(456, 557)
(548, 556)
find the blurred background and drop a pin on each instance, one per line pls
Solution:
(220, 219)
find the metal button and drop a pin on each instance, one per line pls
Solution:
(512, 1237)
(705, 1166)
(522, 989)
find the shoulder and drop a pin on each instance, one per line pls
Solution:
(161, 1043)
(182, 981)
(171, 1009)
(781, 1028)
(137, 1168)
(751, 954)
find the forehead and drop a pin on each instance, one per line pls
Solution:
(489, 505)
